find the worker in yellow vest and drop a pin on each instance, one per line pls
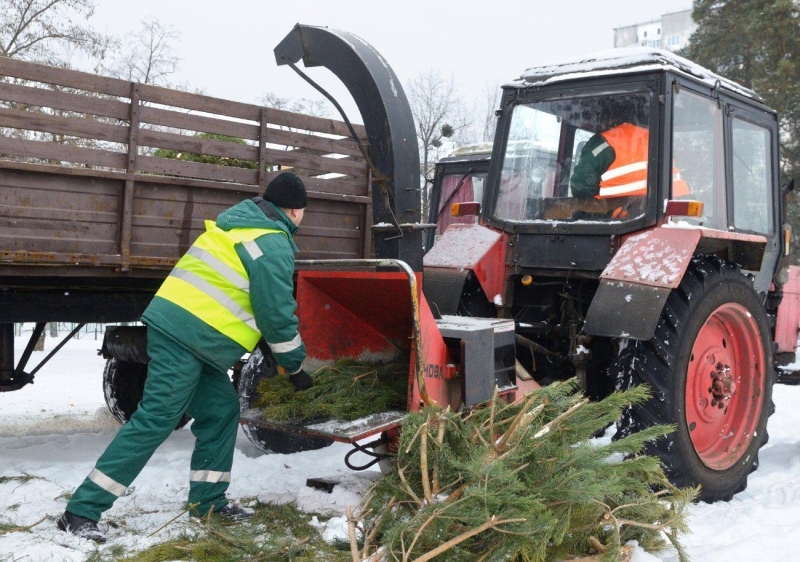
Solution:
(233, 286)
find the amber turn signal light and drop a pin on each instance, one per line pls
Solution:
(684, 209)
(466, 209)
(787, 239)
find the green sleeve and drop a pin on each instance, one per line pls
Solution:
(271, 295)
(595, 158)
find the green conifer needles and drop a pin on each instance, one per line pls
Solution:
(524, 483)
(346, 390)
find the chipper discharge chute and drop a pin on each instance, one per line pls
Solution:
(374, 311)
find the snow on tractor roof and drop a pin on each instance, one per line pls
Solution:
(624, 60)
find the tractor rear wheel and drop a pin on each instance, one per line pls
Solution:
(258, 367)
(123, 388)
(710, 366)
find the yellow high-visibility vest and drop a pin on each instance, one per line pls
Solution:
(211, 283)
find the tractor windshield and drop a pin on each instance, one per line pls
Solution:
(580, 159)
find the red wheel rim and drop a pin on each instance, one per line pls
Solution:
(724, 386)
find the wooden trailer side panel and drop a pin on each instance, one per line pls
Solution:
(103, 178)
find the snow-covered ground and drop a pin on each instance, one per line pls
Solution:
(56, 429)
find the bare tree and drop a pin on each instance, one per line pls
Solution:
(45, 30)
(439, 115)
(315, 108)
(491, 101)
(150, 56)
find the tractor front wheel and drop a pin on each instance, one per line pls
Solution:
(710, 366)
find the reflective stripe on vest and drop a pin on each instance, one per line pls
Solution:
(627, 175)
(211, 282)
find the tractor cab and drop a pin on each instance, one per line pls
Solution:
(598, 148)
(631, 226)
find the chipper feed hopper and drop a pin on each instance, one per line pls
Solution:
(374, 310)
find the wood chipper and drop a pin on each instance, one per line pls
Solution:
(374, 309)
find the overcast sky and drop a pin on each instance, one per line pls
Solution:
(226, 46)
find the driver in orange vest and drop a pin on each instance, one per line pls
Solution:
(614, 164)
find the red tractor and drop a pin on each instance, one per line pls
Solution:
(572, 252)
(676, 276)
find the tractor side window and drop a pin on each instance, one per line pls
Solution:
(581, 159)
(458, 188)
(752, 177)
(698, 170)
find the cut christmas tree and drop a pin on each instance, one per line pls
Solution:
(524, 482)
(346, 390)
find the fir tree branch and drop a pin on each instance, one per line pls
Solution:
(500, 445)
(371, 536)
(440, 442)
(351, 531)
(549, 425)
(413, 439)
(523, 418)
(423, 463)
(407, 488)
(28, 527)
(490, 524)
(491, 415)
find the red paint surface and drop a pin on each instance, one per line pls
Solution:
(724, 385)
(353, 313)
(658, 257)
(789, 313)
(435, 359)
(369, 315)
(476, 248)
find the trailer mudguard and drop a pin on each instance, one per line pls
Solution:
(636, 283)
(390, 129)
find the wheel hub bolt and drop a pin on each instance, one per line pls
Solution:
(722, 385)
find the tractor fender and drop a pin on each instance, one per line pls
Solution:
(461, 249)
(636, 283)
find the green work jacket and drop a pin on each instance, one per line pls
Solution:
(233, 284)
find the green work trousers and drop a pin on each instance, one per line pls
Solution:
(177, 382)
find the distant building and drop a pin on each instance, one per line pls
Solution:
(670, 31)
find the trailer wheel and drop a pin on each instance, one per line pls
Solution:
(123, 387)
(711, 368)
(258, 367)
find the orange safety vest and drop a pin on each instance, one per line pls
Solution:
(627, 174)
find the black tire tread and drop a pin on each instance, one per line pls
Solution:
(650, 363)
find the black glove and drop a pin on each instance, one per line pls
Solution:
(301, 380)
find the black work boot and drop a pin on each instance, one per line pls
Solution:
(80, 527)
(236, 512)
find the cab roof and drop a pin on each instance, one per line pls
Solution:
(624, 60)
